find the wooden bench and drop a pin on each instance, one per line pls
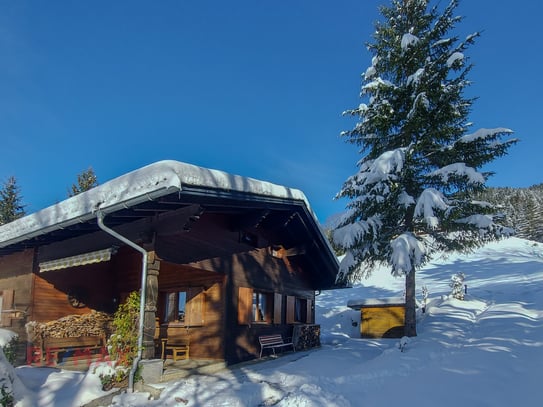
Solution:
(179, 347)
(81, 346)
(273, 342)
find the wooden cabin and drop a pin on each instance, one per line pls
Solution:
(229, 259)
(380, 318)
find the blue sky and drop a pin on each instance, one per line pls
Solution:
(254, 88)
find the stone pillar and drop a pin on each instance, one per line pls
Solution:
(153, 267)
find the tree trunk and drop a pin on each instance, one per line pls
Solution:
(410, 305)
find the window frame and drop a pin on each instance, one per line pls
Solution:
(254, 302)
(262, 309)
(173, 301)
(193, 311)
(299, 310)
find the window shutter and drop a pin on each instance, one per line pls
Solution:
(309, 313)
(7, 303)
(277, 308)
(291, 301)
(194, 307)
(245, 305)
(171, 307)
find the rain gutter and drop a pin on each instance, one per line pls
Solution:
(100, 219)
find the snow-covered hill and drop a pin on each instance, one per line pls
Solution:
(484, 351)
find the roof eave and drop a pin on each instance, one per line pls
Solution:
(82, 218)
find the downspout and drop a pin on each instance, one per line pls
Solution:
(100, 217)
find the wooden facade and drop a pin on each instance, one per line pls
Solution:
(16, 290)
(221, 271)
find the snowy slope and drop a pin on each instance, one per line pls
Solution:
(484, 351)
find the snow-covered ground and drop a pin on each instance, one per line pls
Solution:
(484, 351)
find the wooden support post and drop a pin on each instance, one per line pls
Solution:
(153, 268)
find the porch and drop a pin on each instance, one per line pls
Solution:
(187, 367)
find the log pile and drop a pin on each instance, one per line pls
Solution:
(306, 336)
(70, 326)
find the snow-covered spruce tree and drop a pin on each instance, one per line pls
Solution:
(11, 206)
(85, 181)
(411, 194)
(457, 286)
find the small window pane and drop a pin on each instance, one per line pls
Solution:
(300, 310)
(181, 301)
(262, 306)
(175, 306)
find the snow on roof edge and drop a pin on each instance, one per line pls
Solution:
(375, 302)
(152, 181)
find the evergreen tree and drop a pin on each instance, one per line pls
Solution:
(521, 208)
(85, 181)
(338, 250)
(537, 215)
(411, 195)
(457, 286)
(11, 206)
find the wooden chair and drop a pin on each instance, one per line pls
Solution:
(179, 347)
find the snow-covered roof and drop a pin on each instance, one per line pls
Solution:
(147, 183)
(375, 302)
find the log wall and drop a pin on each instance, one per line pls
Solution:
(91, 284)
(126, 267)
(16, 289)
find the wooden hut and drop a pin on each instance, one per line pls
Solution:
(228, 258)
(380, 318)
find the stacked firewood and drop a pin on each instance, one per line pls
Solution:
(71, 326)
(306, 336)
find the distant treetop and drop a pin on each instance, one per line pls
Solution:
(11, 206)
(85, 181)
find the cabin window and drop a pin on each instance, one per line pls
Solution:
(299, 310)
(257, 307)
(262, 307)
(175, 306)
(184, 307)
